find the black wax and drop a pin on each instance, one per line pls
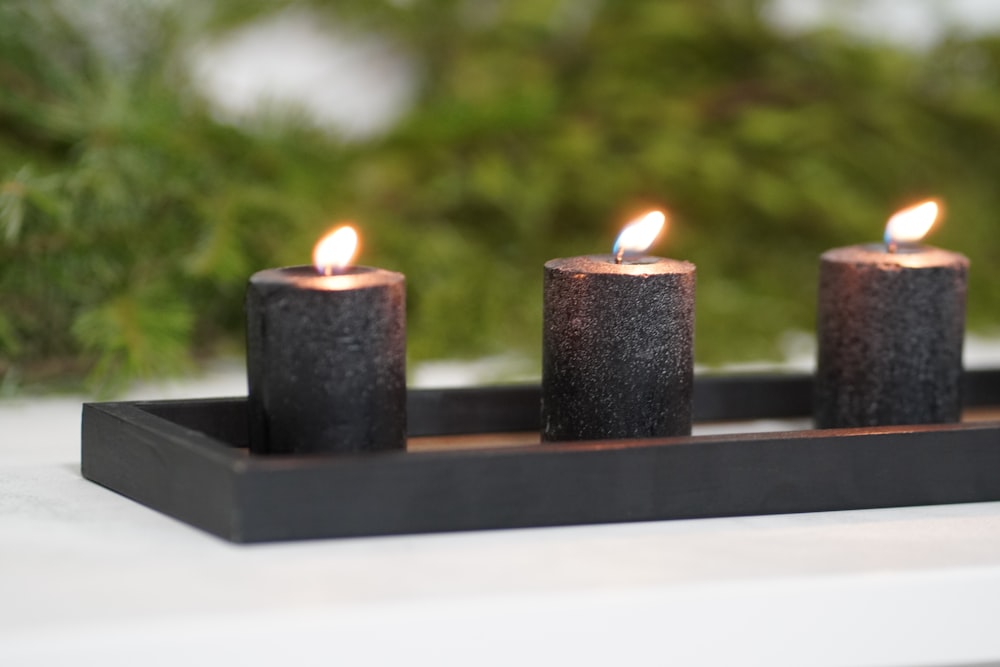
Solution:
(326, 361)
(617, 350)
(890, 328)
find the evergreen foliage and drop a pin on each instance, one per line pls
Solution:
(130, 219)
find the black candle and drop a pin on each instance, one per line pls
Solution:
(890, 328)
(326, 357)
(617, 352)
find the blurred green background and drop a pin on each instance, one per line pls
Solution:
(132, 213)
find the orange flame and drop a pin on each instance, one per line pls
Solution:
(639, 235)
(911, 224)
(335, 251)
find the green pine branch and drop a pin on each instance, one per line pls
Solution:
(130, 218)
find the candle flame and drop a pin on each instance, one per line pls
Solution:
(335, 250)
(911, 224)
(639, 235)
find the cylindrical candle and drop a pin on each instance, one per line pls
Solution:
(326, 360)
(890, 327)
(617, 354)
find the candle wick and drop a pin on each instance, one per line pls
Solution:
(619, 256)
(891, 246)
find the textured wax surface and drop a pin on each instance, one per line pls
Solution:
(889, 334)
(617, 351)
(326, 361)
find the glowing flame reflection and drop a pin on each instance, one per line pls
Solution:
(335, 251)
(639, 235)
(911, 224)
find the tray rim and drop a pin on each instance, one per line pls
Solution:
(217, 486)
(244, 460)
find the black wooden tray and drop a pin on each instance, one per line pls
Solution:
(188, 459)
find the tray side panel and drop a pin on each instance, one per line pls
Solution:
(173, 470)
(223, 419)
(473, 410)
(509, 408)
(807, 472)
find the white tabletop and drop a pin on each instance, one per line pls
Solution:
(89, 577)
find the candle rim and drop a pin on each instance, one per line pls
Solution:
(604, 264)
(918, 256)
(304, 276)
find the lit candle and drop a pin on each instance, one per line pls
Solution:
(326, 354)
(617, 351)
(890, 327)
